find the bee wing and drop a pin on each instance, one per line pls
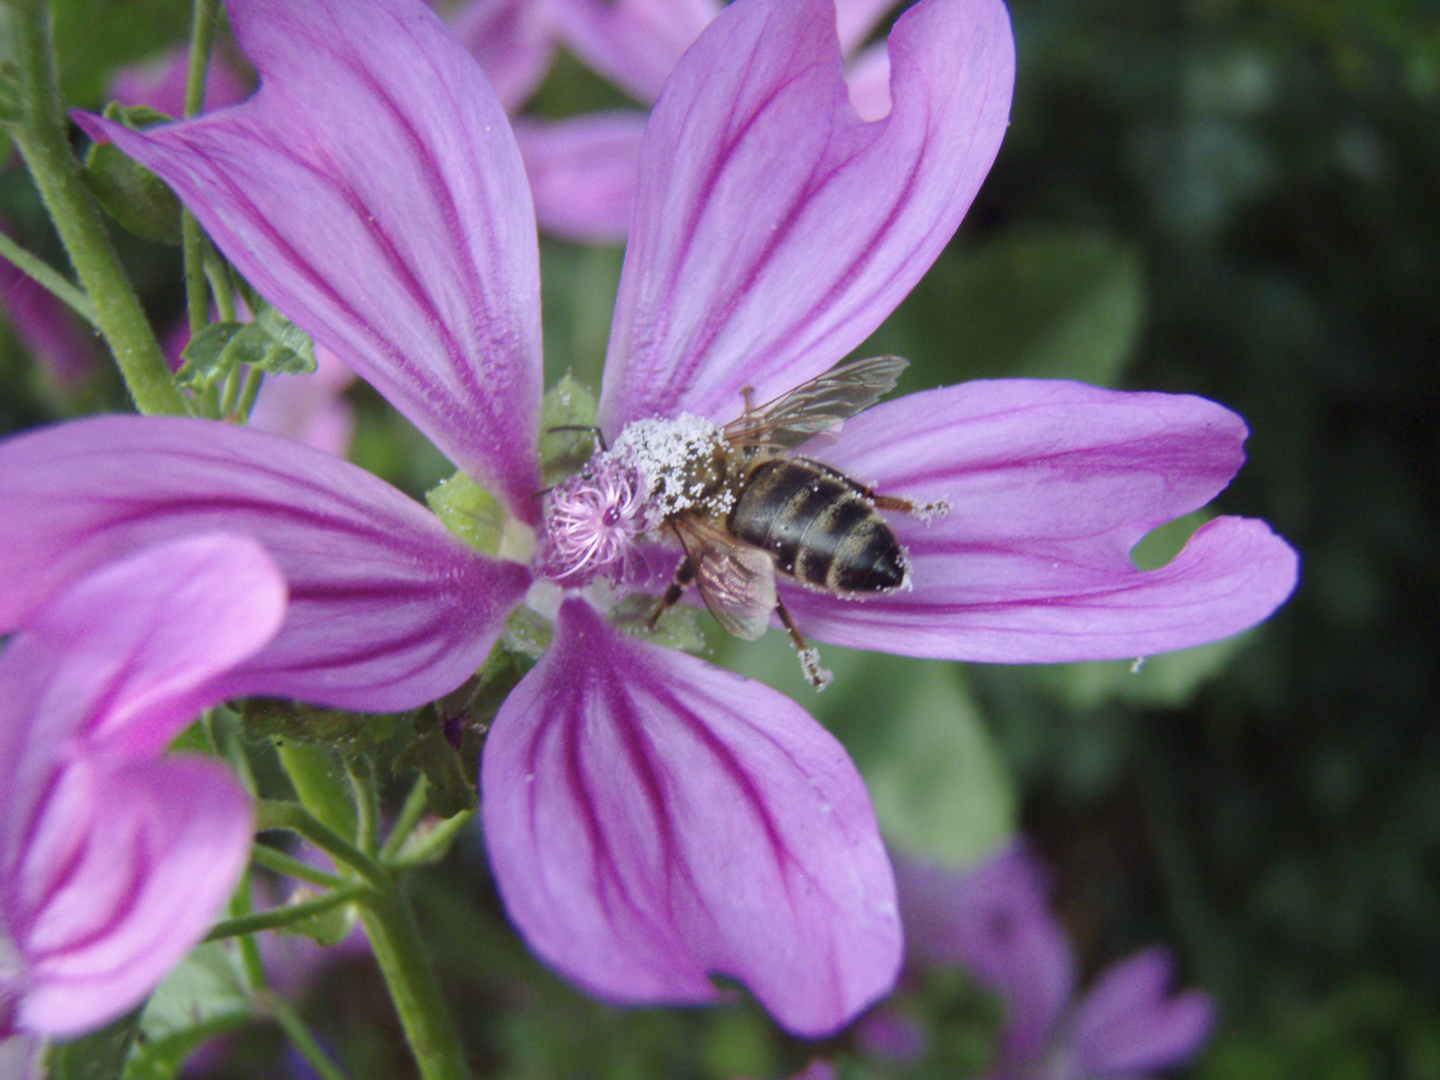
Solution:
(818, 405)
(736, 580)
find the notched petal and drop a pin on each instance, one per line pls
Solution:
(652, 819)
(774, 228)
(372, 191)
(1050, 485)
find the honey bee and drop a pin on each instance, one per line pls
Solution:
(758, 510)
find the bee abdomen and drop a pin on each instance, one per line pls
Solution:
(818, 527)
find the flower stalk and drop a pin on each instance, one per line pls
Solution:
(41, 137)
(192, 240)
(410, 977)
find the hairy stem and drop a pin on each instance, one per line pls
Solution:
(41, 135)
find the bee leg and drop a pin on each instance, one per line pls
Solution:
(926, 513)
(684, 574)
(809, 655)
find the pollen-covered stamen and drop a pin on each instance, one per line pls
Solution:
(592, 523)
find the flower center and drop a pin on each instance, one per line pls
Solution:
(657, 469)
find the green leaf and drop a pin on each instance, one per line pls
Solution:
(287, 349)
(204, 996)
(97, 1056)
(271, 343)
(208, 358)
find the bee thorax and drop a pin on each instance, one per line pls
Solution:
(682, 465)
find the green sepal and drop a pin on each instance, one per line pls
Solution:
(274, 718)
(321, 785)
(677, 628)
(271, 343)
(327, 928)
(567, 405)
(130, 193)
(468, 511)
(431, 840)
(449, 734)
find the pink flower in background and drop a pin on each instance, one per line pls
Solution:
(583, 170)
(995, 922)
(52, 334)
(650, 819)
(113, 858)
(160, 84)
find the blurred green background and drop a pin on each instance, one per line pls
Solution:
(1236, 198)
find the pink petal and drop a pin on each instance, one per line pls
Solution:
(123, 659)
(1126, 1024)
(651, 818)
(513, 40)
(388, 610)
(163, 846)
(1051, 484)
(583, 173)
(773, 228)
(633, 43)
(373, 192)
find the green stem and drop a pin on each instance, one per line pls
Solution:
(361, 774)
(249, 949)
(42, 138)
(410, 975)
(254, 378)
(286, 915)
(294, 817)
(299, 1035)
(47, 277)
(276, 860)
(410, 815)
(192, 240)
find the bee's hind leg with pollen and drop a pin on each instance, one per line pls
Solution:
(809, 655)
(926, 512)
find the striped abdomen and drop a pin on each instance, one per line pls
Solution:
(818, 526)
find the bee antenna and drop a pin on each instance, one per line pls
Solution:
(591, 428)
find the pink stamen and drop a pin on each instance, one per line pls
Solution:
(592, 524)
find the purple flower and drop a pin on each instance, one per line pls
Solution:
(583, 170)
(114, 860)
(650, 819)
(994, 921)
(45, 327)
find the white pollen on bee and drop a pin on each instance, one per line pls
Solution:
(810, 664)
(676, 461)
